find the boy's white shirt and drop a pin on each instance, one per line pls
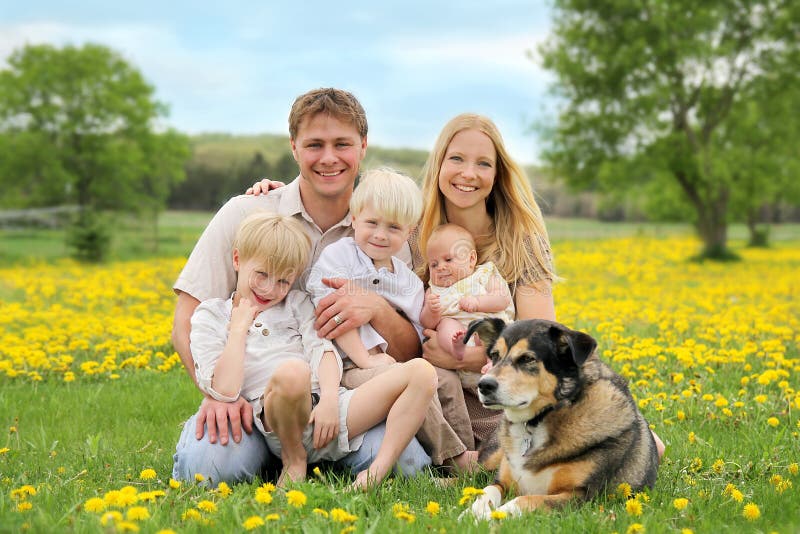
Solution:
(402, 289)
(278, 334)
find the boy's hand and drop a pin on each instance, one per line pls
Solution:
(469, 304)
(242, 316)
(325, 417)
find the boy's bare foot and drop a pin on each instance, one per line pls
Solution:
(466, 462)
(292, 473)
(370, 477)
(459, 344)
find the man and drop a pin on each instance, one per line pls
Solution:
(328, 131)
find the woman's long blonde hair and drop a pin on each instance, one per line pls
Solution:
(518, 226)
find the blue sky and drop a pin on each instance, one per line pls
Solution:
(413, 64)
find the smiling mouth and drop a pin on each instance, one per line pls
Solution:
(329, 174)
(261, 300)
(465, 188)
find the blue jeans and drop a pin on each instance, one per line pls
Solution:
(241, 462)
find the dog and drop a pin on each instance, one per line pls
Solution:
(571, 428)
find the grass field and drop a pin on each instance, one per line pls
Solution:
(92, 397)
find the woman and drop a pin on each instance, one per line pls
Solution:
(471, 180)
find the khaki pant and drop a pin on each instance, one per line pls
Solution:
(455, 421)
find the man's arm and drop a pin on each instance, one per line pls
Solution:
(212, 413)
(181, 327)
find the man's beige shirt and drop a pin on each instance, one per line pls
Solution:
(209, 273)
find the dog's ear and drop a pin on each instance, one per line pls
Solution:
(487, 329)
(578, 346)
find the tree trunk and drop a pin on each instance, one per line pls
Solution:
(712, 225)
(759, 237)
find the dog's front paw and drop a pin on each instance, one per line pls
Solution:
(484, 505)
(511, 508)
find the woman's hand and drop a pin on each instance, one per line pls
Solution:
(263, 186)
(325, 417)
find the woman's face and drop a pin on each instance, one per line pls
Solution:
(468, 169)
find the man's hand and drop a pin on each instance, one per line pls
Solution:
(325, 417)
(216, 414)
(349, 307)
(263, 186)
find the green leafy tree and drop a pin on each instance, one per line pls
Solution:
(79, 125)
(650, 89)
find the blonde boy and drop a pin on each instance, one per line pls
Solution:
(261, 344)
(385, 207)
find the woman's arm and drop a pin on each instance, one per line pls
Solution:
(533, 303)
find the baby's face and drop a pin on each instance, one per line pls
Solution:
(450, 259)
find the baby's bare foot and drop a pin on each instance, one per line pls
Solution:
(459, 344)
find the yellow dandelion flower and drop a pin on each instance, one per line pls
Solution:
(633, 507)
(718, 466)
(794, 468)
(263, 495)
(692, 437)
(737, 495)
(224, 490)
(12, 430)
(127, 526)
(207, 506)
(4, 450)
(406, 516)
(268, 486)
(296, 498)
(681, 415)
(198, 477)
(761, 399)
(252, 522)
(342, 516)
(137, 513)
(624, 490)
(773, 421)
(680, 503)
(147, 474)
(174, 484)
(320, 512)
(696, 465)
(751, 512)
(166, 531)
(95, 504)
(110, 518)
(432, 508)
(499, 515)
(635, 528)
(272, 517)
(191, 515)
(317, 472)
(687, 531)
(348, 530)
(775, 479)
(24, 506)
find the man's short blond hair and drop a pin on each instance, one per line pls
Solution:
(392, 194)
(279, 242)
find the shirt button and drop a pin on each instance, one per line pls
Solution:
(265, 332)
(376, 281)
(258, 325)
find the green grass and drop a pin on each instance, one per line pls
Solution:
(77, 441)
(178, 231)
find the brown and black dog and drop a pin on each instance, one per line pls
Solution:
(571, 428)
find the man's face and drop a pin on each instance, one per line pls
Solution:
(328, 152)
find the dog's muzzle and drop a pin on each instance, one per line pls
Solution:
(487, 388)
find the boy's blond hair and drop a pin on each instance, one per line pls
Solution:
(278, 241)
(392, 194)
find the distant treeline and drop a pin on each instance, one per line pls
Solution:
(224, 165)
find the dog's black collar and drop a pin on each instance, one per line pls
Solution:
(539, 417)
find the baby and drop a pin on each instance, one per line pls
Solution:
(460, 292)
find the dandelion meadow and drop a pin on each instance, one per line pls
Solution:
(92, 398)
